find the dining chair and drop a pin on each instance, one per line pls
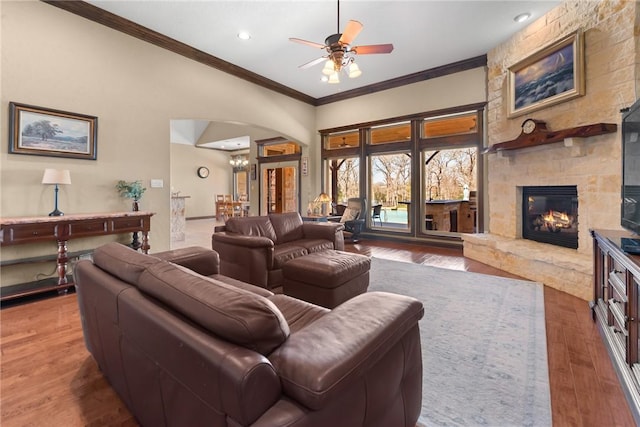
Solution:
(375, 214)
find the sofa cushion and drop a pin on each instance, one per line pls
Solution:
(237, 315)
(288, 226)
(252, 226)
(315, 245)
(287, 252)
(122, 261)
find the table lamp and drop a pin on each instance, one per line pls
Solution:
(323, 199)
(56, 177)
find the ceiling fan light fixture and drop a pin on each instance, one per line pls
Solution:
(329, 68)
(334, 78)
(354, 71)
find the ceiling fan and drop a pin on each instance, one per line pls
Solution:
(340, 53)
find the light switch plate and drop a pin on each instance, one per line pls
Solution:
(157, 183)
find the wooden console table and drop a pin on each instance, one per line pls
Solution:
(61, 229)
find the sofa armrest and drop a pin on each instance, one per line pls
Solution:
(316, 363)
(201, 260)
(331, 231)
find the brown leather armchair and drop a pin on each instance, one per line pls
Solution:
(254, 249)
(185, 349)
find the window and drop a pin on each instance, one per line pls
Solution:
(342, 140)
(457, 124)
(450, 179)
(346, 179)
(419, 173)
(397, 132)
(391, 190)
(279, 148)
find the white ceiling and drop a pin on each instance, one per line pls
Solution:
(425, 34)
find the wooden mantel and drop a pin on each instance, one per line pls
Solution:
(542, 136)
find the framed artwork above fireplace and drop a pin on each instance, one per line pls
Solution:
(552, 75)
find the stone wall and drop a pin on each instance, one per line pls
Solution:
(610, 30)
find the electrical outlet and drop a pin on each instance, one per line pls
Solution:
(157, 183)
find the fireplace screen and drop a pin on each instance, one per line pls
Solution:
(550, 215)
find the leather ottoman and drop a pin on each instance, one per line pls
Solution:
(327, 278)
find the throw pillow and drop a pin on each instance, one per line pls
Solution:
(349, 215)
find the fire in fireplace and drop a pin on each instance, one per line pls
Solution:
(550, 215)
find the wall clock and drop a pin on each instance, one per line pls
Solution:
(203, 172)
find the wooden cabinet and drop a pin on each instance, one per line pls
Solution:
(615, 308)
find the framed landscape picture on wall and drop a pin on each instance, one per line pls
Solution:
(46, 132)
(552, 75)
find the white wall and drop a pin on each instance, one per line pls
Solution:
(185, 160)
(465, 87)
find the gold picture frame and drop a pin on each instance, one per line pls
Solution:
(552, 75)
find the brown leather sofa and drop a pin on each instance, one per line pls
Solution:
(254, 249)
(188, 349)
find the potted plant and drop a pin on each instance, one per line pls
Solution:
(131, 190)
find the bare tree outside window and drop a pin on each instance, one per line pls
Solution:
(348, 179)
(447, 172)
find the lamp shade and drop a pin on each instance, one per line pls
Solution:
(324, 198)
(354, 71)
(329, 68)
(56, 176)
(334, 79)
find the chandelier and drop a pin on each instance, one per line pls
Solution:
(238, 161)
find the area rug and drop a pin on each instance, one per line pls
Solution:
(484, 350)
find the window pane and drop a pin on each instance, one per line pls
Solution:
(450, 125)
(336, 141)
(390, 192)
(343, 180)
(399, 132)
(449, 189)
(279, 149)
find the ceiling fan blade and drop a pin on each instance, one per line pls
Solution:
(307, 42)
(312, 63)
(373, 48)
(350, 32)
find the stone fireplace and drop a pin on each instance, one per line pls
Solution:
(591, 164)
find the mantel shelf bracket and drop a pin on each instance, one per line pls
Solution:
(542, 136)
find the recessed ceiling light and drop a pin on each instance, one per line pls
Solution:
(522, 17)
(243, 35)
(324, 79)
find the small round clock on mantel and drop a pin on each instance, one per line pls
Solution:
(531, 125)
(203, 172)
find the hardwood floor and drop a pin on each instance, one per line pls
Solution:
(48, 378)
